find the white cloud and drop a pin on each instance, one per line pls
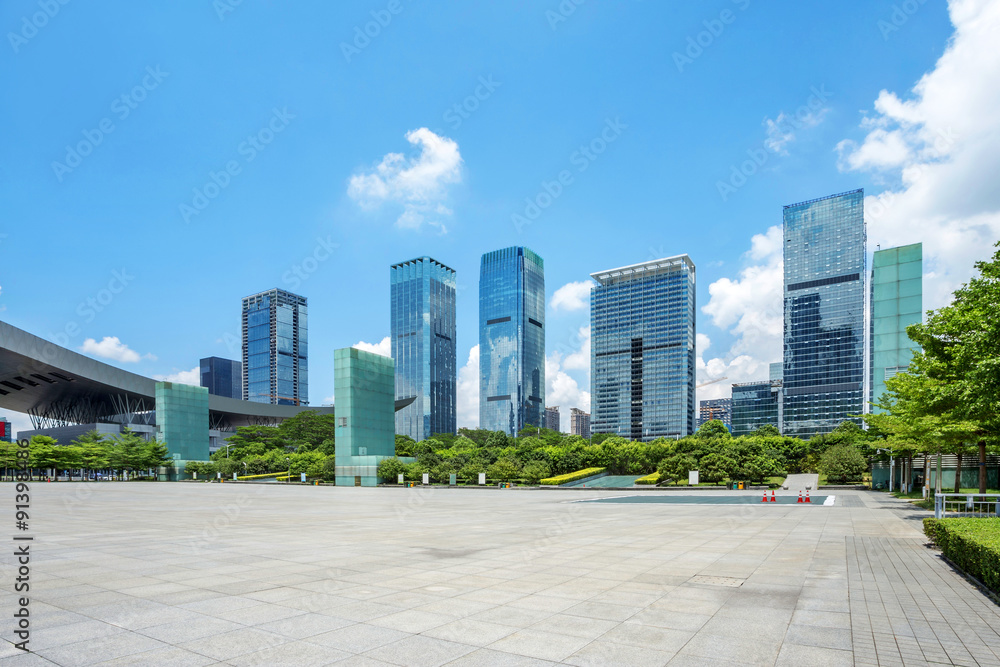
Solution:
(112, 348)
(561, 389)
(192, 377)
(383, 347)
(939, 149)
(468, 391)
(419, 183)
(781, 130)
(579, 359)
(328, 400)
(572, 296)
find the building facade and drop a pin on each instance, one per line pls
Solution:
(423, 335)
(643, 350)
(364, 391)
(5, 435)
(776, 371)
(511, 340)
(719, 409)
(579, 423)
(276, 348)
(896, 303)
(824, 309)
(756, 404)
(552, 418)
(222, 377)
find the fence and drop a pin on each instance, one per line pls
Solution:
(966, 505)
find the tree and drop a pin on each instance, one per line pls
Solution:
(843, 464)
(42, 454)
(716, 467)
(404, 445)
(535, 471)
(156, 454)
(713, 428)
(504, 470)
(389, 469)
(768, 431)
(676, 467)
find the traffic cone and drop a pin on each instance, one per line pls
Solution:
(800, 496)
(807, 496)
(773, 499)
(765, 497)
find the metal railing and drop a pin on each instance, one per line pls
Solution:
(966, 505)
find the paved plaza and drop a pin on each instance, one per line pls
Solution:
(239, 574)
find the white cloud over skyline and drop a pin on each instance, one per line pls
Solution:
(110, 347)
(572, 296)
(383, 347)
(192, 377)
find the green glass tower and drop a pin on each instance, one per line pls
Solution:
(896, 303)
(182, 421)
(364, 386)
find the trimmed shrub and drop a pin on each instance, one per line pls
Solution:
(652, 478)
(572, 476)
(973, 545)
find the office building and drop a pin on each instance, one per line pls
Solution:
(511, 340)
(363, 388)
(896, 303)
(719, 409)
(423, 335)
(756, 404)
(643, 350)
(579, 423)
(222, 377)
(552, 418)
(824, 303)
(776, 371)
(5, 435)
(275, 348)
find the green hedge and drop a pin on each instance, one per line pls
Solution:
(572, 476)
(652, 478)
(973, 545)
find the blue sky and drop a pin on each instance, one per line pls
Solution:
(253, 139)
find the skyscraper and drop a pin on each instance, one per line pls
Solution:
(275, 348)
(552, 418)
(719, 409)
(422, 293)
(579, 423)
(824, 303)
(897, 302)
(643, 355)
(222, 377)
(511, 340)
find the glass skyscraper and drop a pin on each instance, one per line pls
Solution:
(422, 293)
(756, 404)
(897, 302)
(511, 340)
(643, 350)
(222, 377)
(275, 348)
(824, 303)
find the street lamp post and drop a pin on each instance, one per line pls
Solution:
(892, 464)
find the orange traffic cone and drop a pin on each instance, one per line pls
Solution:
(807, 496)
(765, 497)
(773, 499)
(800, 496)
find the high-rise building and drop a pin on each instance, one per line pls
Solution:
(423, 337)
(363, 388)
(275, 348)
(552, 418)
(824, 303)
(643, 350)
(579, 423)
(776, 371)
(511, 340)
(222, 377)
(5, 435)
(896, 302)
(756, 404)
(719, 409)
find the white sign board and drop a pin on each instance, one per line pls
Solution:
(427, 478)
(399, 478)
(482, 478)
(234, 477)
(303, 477)
(693, 478)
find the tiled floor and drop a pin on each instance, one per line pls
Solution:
(208, 574)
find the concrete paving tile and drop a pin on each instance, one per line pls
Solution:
(258, 614)
(186, 630)
(611, 612)
(636, 634)
(169, 656)
(108, 648)
(489, 658)
(674, 620)
(471, 632)
(574, 626)
(601, 653)
(542, 645)
(292, 654)
(358, 638)
(304, 625)
(827, 619)
(234, 643)
(420, 651)
(793, 655)
(725, 649)
(412, 621)
(810, 635)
